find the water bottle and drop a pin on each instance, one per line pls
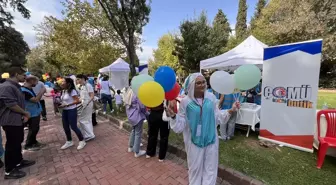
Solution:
(325, 106)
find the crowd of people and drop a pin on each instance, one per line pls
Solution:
(196, 113)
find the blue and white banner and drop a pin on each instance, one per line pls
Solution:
(143, 69)
(289, 94)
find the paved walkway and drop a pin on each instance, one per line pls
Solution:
(103, 160)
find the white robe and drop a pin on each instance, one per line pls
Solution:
(85, 118)
(202, 162)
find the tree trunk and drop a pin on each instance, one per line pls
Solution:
(132, 55)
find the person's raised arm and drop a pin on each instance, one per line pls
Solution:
(177, 121)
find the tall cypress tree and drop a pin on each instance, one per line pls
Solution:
(220, 33)
(260, 5)
(241, 26)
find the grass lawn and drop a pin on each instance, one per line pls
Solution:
(277, 165)
(326, 97)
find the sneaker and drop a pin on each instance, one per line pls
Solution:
(26, 128)
(15, 174)
(148, 156)
(81, 145)
(67, 145)
(141, 144)
(104, 113)
(32, 148)
(130, 150)
(112, 111)
(161, 160)
(44, 119)
(25, 163)
(40, 145)
(141, 153)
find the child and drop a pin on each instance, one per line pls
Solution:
(118, 101)
(56, 94)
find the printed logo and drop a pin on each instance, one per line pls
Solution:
(291, 96)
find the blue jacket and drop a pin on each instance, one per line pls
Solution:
(33, 108)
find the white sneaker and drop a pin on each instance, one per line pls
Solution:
(112, 111)
(81, 145)
(130, 150)
(141, 153)
(141, 144)
(67, 145)
(148, 157)
(104, 113)
(160, 160)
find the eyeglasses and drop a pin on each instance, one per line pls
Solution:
(200, 82)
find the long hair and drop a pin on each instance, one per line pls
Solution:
(70, 84)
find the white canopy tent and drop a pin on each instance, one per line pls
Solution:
(118, 72)
(250, 51)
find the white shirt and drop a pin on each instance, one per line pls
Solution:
(118, 99)
(105, 87)
(68, 99)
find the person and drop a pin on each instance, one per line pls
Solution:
(37, 89)
(118, 100)
(197, 119)
(136, 114)
(12, 116)
(156, 124)
(105, 93)
(33, 106)
(85, 117)
(70, 99)
(257, 98)
(225, 103)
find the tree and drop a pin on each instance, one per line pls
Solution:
(241, 26)
(127, 17)
(163, 55)
(260, 6)
(6, 17)
(194, 44)
(80, 43)
(220, 33)
(13, 49)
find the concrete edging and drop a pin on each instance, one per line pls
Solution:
(230, 175)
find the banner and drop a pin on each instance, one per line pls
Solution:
(289, 94)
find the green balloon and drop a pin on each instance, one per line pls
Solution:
(247, 76)
(137, 81)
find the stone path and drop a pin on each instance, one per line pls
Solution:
(103, 161)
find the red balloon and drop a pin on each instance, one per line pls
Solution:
(172, 94)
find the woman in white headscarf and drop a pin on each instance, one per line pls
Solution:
(197, 119)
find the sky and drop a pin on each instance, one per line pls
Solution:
(166, 16)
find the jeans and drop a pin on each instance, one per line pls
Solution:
(106, 99)
(34, 127)
(14, 138)
(69, 118)
(2, 150)
(156, 124)
(44, 112)
(227, 129)
(135, 137)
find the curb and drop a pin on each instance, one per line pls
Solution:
(228, 174)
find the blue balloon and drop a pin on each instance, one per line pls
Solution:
(166, 77)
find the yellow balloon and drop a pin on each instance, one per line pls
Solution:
(5, 75)
(151, 94)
